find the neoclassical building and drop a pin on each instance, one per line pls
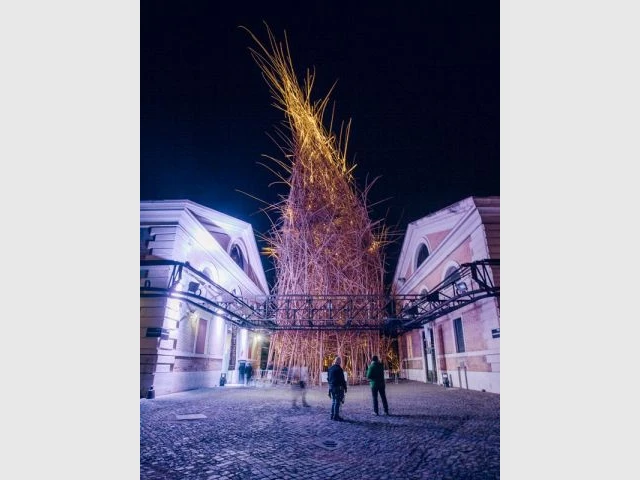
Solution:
(190, 254)
(189, 247)
(461, 348)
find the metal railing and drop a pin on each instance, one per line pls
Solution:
(387, 313)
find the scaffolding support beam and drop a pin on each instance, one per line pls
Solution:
(390, 314)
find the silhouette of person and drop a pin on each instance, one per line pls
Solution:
(337, 388)
(241, 369)
(299, 381)
(248, 371)
(375, 374)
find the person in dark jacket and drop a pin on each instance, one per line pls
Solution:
(248, 371)
(375, 374)
(241, 368)
(337, 388)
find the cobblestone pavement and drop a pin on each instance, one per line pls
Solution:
(254, 433)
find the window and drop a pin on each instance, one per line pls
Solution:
(145, 238)
(452, 279)
(210, 274)
(201, 337)
(409, 346)
(423, 253)
(236, 256)
(457, 330)
(452, 275)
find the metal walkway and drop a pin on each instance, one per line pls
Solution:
(391, 314)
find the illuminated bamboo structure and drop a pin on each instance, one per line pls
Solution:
(322, 240)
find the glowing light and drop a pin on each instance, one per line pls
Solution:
(173, 305)
(324, 241)
(193, 316)
(219, 327)
(243, 342)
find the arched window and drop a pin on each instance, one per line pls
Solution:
(236, 256)
(423, 253)
(453, 277)
(452, 274)
(211, 273)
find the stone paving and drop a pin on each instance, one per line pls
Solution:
(253, 432)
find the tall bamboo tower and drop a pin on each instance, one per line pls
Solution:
(322, 241)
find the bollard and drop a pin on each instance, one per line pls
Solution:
(151, 393)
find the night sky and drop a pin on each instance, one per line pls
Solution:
(419, 80)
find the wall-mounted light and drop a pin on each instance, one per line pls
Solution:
(193, 287)
(461, 287)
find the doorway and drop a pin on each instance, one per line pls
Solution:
(430, 356)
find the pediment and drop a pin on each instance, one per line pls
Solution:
(439, 232)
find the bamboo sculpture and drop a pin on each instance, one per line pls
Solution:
(322, 241)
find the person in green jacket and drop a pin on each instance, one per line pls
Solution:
(375, 374)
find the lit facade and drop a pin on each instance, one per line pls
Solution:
(462, 347)
(183, 347)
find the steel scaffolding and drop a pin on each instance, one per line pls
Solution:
(391, 314)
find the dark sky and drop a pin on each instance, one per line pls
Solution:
(419, 80)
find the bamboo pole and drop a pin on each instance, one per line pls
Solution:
(322, 240)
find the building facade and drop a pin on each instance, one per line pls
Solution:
(182, 346)
(461, 348)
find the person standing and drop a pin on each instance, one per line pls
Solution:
(337, 388)
(299, 386)
(248, 371)
(375, 374)
(241, 372)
